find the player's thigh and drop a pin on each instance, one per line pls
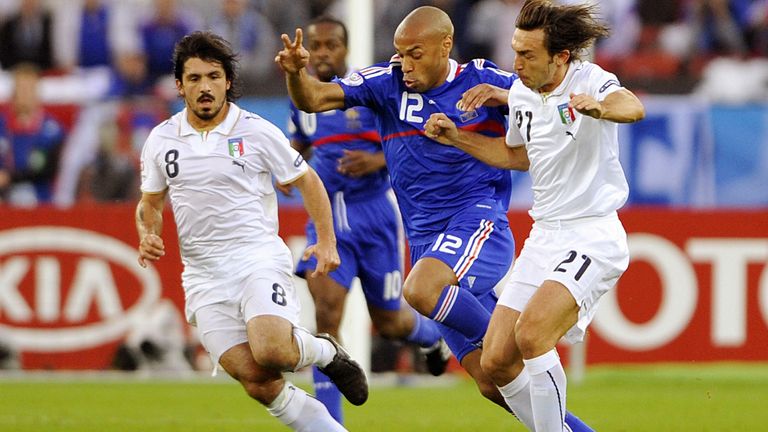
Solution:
(269, 294)
(550, 313)
(478, 251)
(220, 327)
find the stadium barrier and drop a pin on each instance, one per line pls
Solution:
(696, 289)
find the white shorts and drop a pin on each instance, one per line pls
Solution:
(587, 256)
(222, 325)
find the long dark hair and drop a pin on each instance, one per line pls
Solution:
(209, 47)
(566, 27)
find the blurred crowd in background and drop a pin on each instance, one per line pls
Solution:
(82, 82)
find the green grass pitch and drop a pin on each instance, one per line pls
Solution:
(723, 397)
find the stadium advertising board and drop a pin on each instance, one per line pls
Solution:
(696, 289)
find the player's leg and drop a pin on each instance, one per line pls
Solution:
(223, 334)
(549, 314)
(270, 306)
(329, 297)
(379, 245)
(329, 294)
(465, 261)
(503, 362)
(469, 355)
(286, 402)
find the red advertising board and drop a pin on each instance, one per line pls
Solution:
(696, 289)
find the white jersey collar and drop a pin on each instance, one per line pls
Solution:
(223, 128)
(563, 86)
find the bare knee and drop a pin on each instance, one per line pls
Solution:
(422, 295)
(261, 385)
(392, 324)
(530, 340)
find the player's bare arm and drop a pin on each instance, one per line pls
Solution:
(490, 150)
(620, 106)
(483, 95)
(307, 92)
(149, 225)
(319, 209)
(357, 163)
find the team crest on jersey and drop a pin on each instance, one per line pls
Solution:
(566, 114)
(353, 80)
(466, 116)
(353, 119)
(236, 147)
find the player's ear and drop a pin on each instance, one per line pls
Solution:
(447, 45)
(179, 88)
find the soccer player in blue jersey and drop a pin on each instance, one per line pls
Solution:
(453, 206)
(344, 147)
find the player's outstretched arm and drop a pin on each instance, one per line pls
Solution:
(149, 225)
(319, 209)
(491, 150)
(621, 106)
(307, 93)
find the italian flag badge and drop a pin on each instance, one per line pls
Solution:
(566, 114)
(236, 147)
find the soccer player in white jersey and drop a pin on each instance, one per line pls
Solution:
(563, 122)
(216, 162)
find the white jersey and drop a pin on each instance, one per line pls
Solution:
(575, 167)
(220, 188)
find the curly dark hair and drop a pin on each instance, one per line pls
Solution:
(209, 47)
(566, 27)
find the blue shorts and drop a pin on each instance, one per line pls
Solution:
(478, 245)
(370, 241)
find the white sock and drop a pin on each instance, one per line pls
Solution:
(312, 350)
(301, 412)
(517, 394)
(548, 386)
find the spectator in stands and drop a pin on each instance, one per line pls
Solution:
(85, 34)
(489, 27)
(757, 31)
(251, 36)
(30, 142)
(159, 34)
(25, 37)
(718, 26)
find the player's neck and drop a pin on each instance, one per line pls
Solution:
(203, 125)
(560, 74)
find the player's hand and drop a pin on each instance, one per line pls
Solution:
(357, 163)
(151, 248)
(286, 189)
(441, 129)
(293, 57)
(586, 105)
(327, 258)
(483, 95)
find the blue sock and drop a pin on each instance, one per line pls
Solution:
(576, 424)
(425, 332)
(327, 393)
(460, 310)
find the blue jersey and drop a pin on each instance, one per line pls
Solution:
(432, 181)
(332, 132)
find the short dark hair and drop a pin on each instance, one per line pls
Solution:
(210, 47)
(566, 27)
(327, 19)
